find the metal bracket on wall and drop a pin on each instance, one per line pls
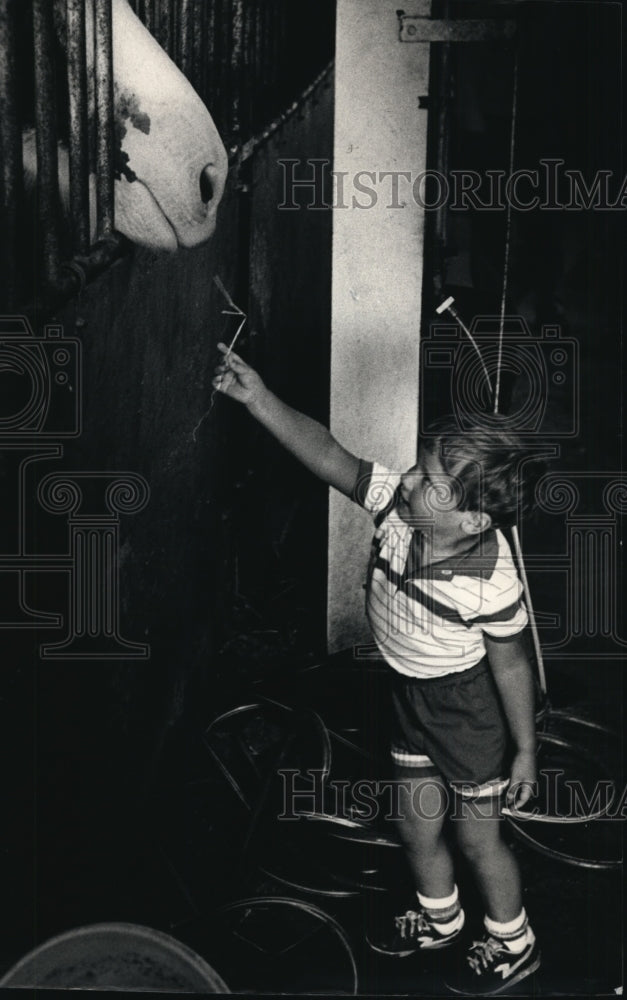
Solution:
(414, 28)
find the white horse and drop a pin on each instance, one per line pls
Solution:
(172, 165)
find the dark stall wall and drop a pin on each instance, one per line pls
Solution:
(280, 510)
(228, 518)
(85, 739)
(290, 257)
(222, 572)
(148, 330)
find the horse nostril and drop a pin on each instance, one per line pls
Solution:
(206, 185)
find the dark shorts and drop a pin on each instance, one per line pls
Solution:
(454, 727)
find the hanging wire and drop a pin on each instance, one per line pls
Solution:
(532, 618)
(499, 364)
(508, 229)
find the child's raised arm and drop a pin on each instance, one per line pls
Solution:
(306, 439)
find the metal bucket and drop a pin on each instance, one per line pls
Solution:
(115, 956)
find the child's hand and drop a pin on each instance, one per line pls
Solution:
(236, 379)
(523, 779)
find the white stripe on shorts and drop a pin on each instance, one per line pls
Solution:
(415, 759)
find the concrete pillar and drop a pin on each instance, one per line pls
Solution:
(377, 275)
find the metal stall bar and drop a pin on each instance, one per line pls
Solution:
(78, 138)
(247, 87)
(257, 65)
(203, 49)
(237, 52)
(164, 25)
(438, 136)
(46, 140)
(10, 150)
(145, 12)
(285, 72)
(175, 19)
(185, 30)
(103, 69)
(199, 40)
(440, 89)
(261, 71)
(274, 55)
(157, 25)
(224, 78)
(73, 274)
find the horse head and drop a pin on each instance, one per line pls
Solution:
(170, 163)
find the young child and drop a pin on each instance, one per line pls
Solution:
(444, 604)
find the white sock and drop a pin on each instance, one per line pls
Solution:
(438, 902)
(515, 934)
(445, 911)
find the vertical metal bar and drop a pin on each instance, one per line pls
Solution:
(268, 59)
(258, 78)
(532, 618)
(247, 76)
(173, 27)
(209, 50)
(149, 15)
(45, 122)
(10, 150)
(164, 25)
(103, 69)
(185, 29)
(209, 57)
(77, 89)
(156, 20)
(275, 57)
(205, 52)
(285, 86)
(265, 50)
(237, 49)
(174, 20)
(224, 50)
(201, 42)
(267, 43)
(441, 71)
(441, 53)
(197, 19)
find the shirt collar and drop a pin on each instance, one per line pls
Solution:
(477, 561)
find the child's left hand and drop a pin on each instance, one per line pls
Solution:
(523, 779)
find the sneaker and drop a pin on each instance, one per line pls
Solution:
(491, 967)
(414, 931)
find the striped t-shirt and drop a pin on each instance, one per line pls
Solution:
(430, 621)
